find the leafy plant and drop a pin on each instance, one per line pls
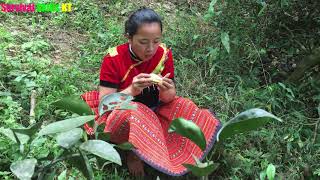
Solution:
(270, 173)
(189, 130)
(75, 146)
(115, 101)
(269, 40)
(244, 122)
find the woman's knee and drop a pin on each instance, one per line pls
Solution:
(185, 101)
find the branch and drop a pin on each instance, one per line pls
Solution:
(32, 106)
(316, 126)
(315, 131)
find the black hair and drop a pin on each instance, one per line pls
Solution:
(139, 17)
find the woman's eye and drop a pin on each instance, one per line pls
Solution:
(143, 42)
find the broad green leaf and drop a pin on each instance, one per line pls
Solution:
(189, 130)
(65, 125)
(125, 146)
(63, 175)
(30, 130)
(271, 172)
(19, 138)
(201, 169)
(115, 101)
(210, 13)
(225, 41)
(23, 169)
(126, 105)
(263, 175)
(101, 149)
(87, 172)
(82, 164)
(74, 104)
(245, 121)
(69, 138)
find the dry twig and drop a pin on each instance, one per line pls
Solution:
(32, 106)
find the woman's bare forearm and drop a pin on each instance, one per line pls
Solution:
(105, 91)
(130, 91)
(167, 96)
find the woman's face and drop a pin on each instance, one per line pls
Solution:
(146, 40)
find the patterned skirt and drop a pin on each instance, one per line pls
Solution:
(147, 130)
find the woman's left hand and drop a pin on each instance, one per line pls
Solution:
(166, 83)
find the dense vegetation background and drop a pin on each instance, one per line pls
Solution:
(230, 55)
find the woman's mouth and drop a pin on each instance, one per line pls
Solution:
(148, 55)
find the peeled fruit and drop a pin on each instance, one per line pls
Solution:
(155, 78)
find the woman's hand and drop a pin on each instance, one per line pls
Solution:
(166, 83)
(139, 82)
(167, 89)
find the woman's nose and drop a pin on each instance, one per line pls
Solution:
(150, 47)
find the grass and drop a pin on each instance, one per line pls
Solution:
(60, 54)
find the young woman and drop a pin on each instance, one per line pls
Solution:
(126, 69)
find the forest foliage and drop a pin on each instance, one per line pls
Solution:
(230, 55)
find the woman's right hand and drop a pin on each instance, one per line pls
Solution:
(140, 82)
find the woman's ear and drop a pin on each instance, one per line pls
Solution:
(128, 37)
(130, 40)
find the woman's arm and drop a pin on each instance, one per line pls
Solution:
(105, 91)
(139, 82)
(168, 95)
(167, 89)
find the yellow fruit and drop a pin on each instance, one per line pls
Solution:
(155, 78)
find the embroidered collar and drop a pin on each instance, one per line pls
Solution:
(133, 55)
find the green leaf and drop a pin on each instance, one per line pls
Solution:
(23, 169)
(284, 3)
(30, 130)
(271, 172)
(127, 106)
(19, 138)
(201, 169)
(101, 149)
(69, 138)
(125, 146)
(263, 9)
(82, 164)
(63, 175)
(103, 136)
(74, 104)
(4, 173)
(189, 130)
(263, 175)
(5, 93)
(225, 41)
(245, 121)
(115, 101)
(65, 125)
(210, 13)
